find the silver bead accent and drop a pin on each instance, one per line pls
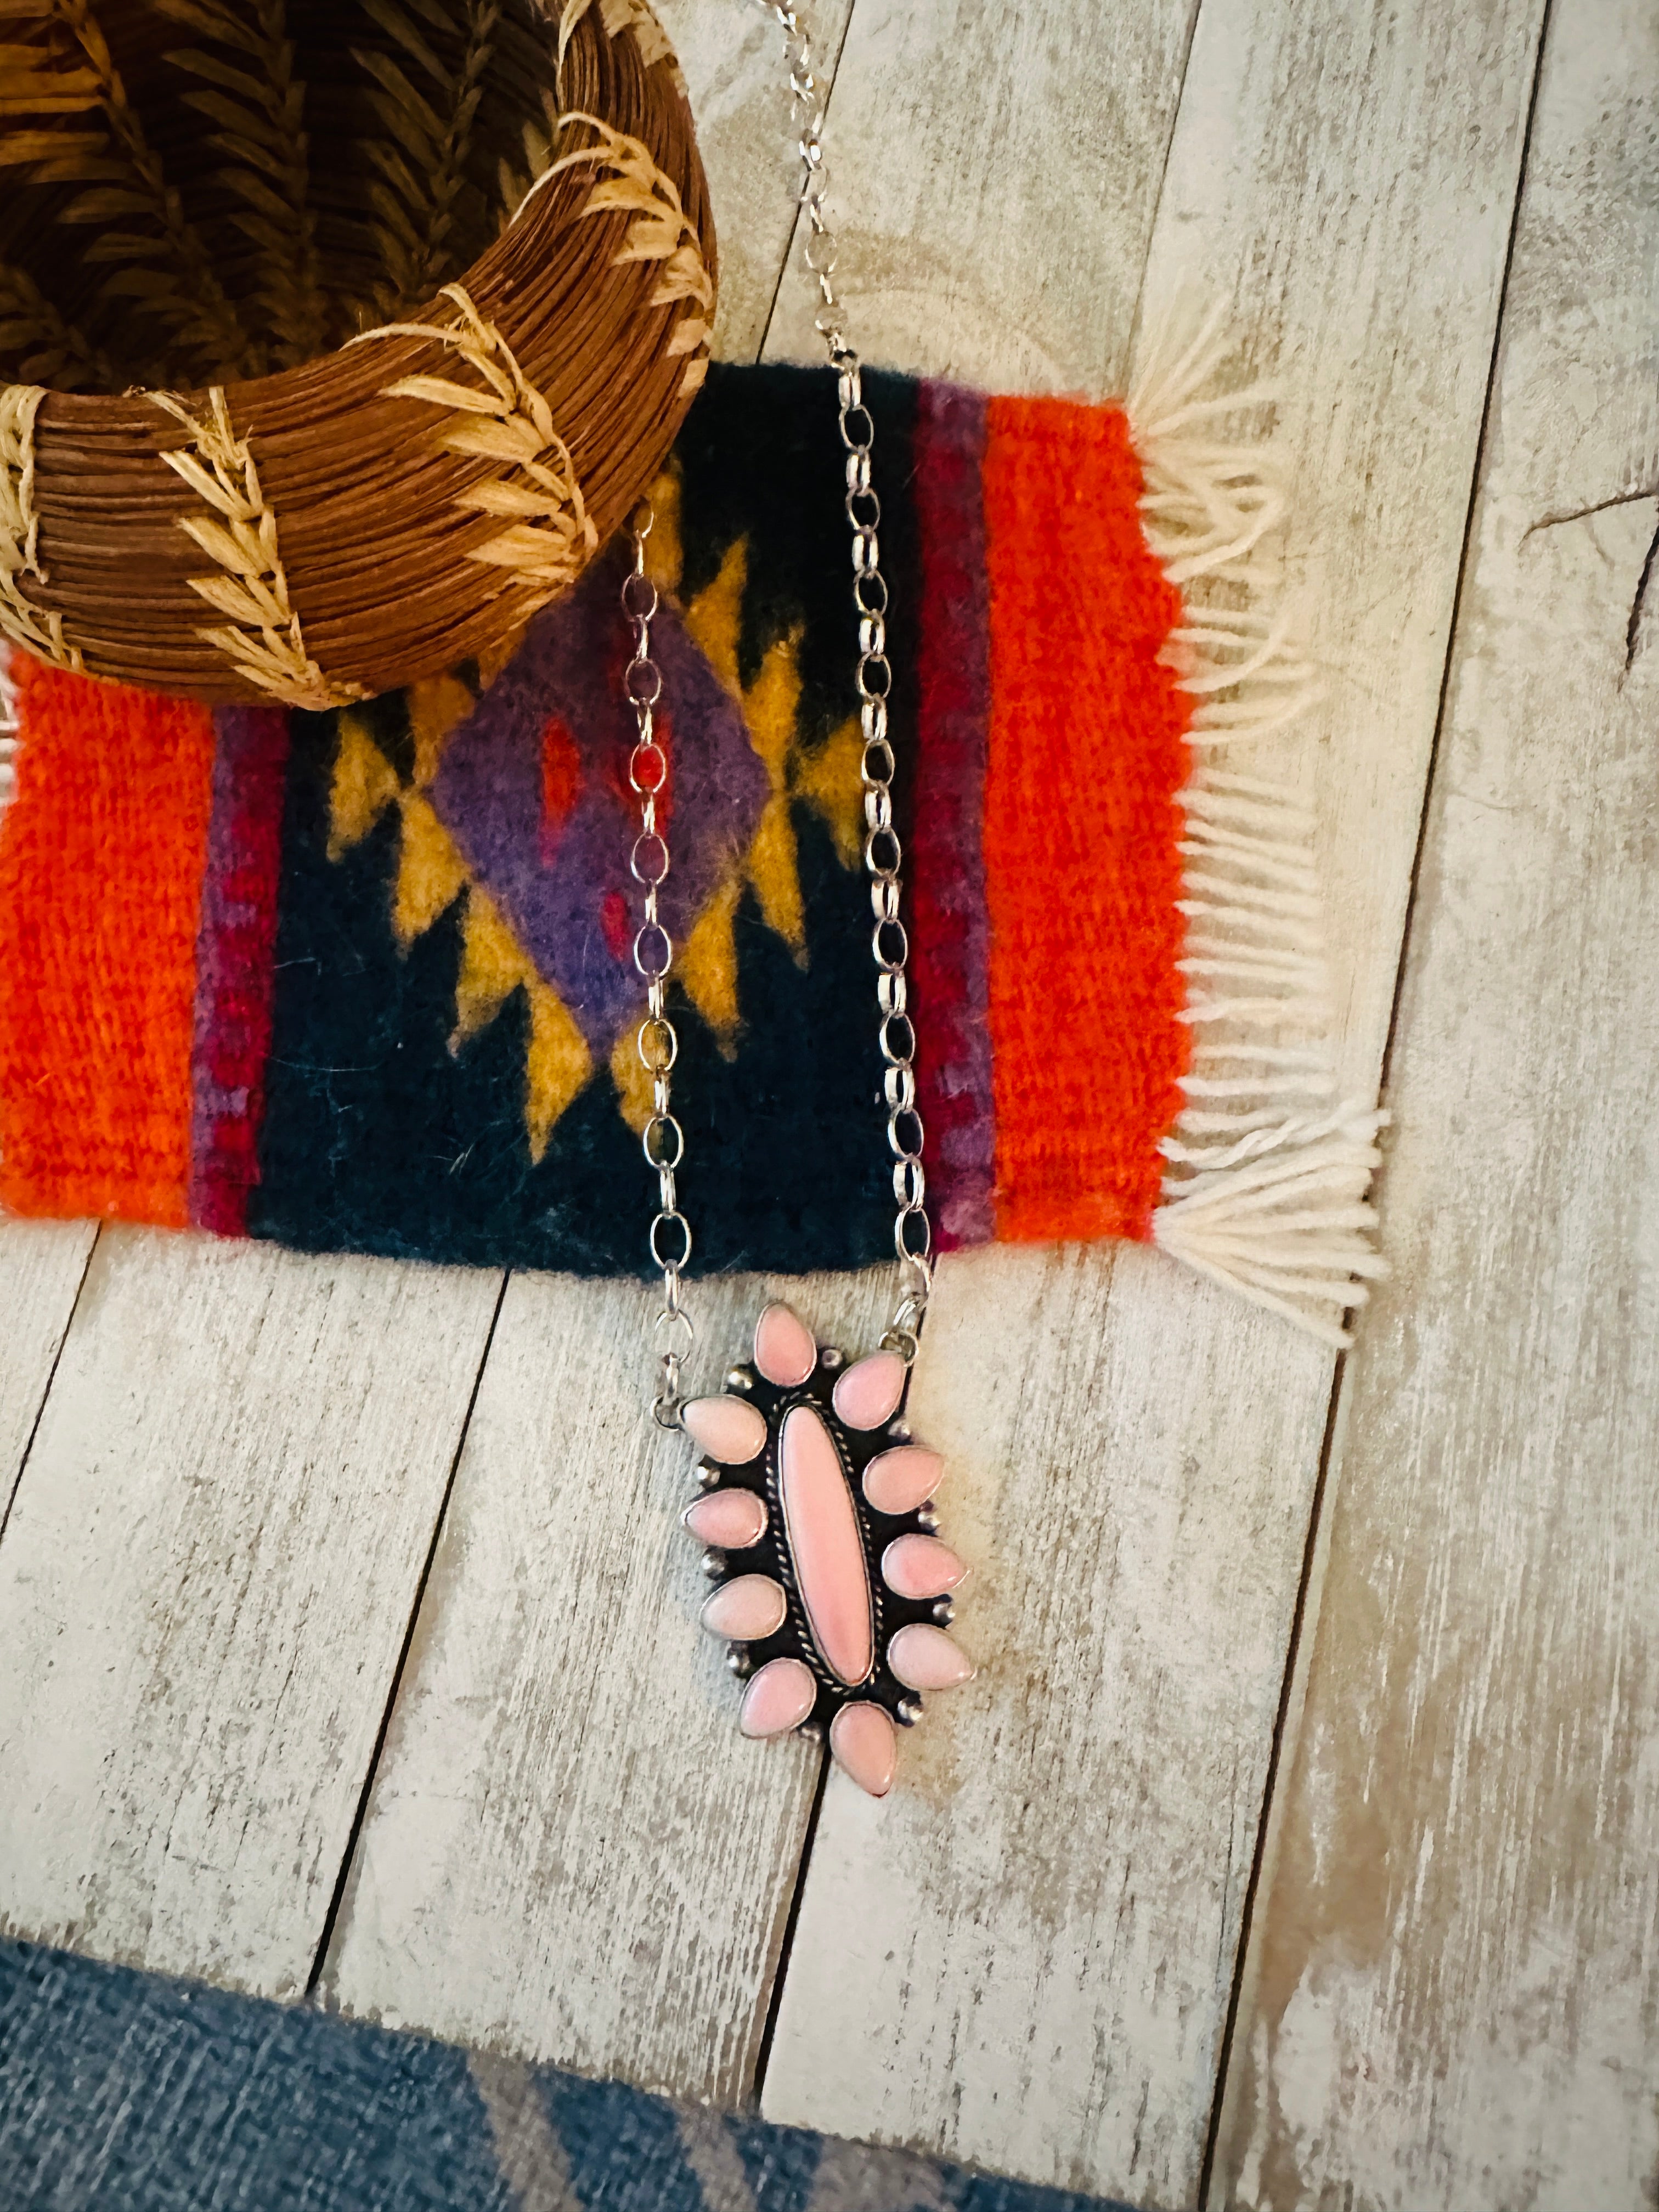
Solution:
(927, 1518)
(944, 1613)
(739, 1378)
(740, 1662)
(899, 1431)
(908, 1711)
(708, 1473)
(830, 1355)
(714, 1564)
(812, 1730)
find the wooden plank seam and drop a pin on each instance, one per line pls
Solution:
(59, 1240)
(1288, 1718)
(394, 1687)
(1450, 1999)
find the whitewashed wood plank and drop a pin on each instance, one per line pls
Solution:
(570, 1853)
(206, 1584)
(731, 54)
(993, 178)
(1454, 1994)
(1049, 1945)
(1348, 182)
(210, 1744)
(1016, 1953)
(41, 1264)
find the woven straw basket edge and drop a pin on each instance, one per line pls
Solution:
(405, 502)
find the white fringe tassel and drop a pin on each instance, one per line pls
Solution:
(1268, 1170)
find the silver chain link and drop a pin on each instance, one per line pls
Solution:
(806, 110)
(884, 860)
(663, 1141)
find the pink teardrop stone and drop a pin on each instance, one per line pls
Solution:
(899, 1480)
(925, 1658)
(729, 1429)
(869, 1392)
(785, 1351)
(918, 1567)
(778, 1698)
(863, 1739)
(748, 1608)
(824, 1543)
(731, 1520)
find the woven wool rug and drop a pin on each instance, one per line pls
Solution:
(362, 980)
(120, 2091)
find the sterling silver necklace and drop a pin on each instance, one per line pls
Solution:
(830, 1587)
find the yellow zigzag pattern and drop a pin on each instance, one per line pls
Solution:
(432, 873)
(431, 876)
(706, 965)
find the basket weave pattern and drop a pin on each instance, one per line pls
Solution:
(335, 335)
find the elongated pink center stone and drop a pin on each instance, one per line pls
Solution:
(824, 1543)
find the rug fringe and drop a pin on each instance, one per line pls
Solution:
(1268, 1171)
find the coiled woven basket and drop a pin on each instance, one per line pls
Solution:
(335, 335)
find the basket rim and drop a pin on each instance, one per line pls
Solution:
(216, 461)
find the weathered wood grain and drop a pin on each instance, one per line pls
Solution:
(1347, 179)
(190, 1715)
(1022, 1951)
(570, 1853)
(732, 53)
(205, 1583)
(993, 178)
(1453, 1995)
(1047, 1949)
(1023, 1957)
(41, 1264)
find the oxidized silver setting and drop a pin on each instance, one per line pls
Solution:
(898, 1578)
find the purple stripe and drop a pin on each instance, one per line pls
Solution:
(951, 926)
(235, 946)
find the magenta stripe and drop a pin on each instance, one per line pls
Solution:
(236, 945)
(951, 926)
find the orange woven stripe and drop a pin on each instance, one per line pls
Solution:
(1082, 870)
(101, 858)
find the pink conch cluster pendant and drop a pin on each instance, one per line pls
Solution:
(831, 1588)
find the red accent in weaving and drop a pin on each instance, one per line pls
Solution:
(562, 783)
(1082, 830)
(101, 858)
(615, 921)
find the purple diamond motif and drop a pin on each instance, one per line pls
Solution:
(566, 898)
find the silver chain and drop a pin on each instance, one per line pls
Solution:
(884, 860)
(806, 110)
(663, 1141)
